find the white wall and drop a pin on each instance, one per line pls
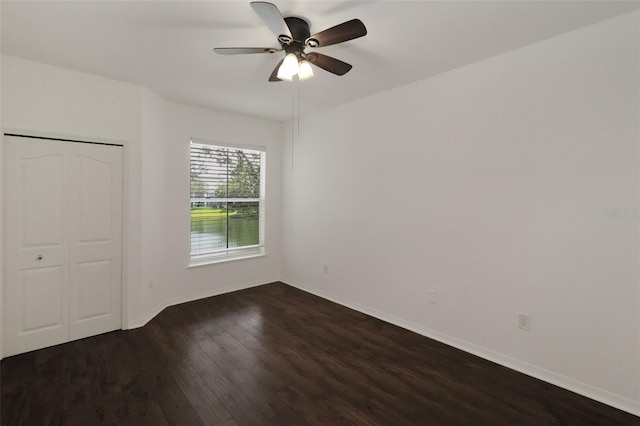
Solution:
(154, 164)
(50, 101)
(167, 130)
(489, 185)
(43, 100)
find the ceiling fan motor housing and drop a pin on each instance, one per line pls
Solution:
(299, 29)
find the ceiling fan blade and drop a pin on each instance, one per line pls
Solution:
(274, 74)
(341, 32)
(243, 50)
(328, 63)
(272, 17)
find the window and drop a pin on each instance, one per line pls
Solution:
(227, 202)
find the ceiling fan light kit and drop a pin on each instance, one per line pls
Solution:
(305, 71)
(294, 36)
(289, 67)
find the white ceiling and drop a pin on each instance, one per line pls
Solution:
(167, 45)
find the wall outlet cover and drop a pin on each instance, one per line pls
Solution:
(524, 321)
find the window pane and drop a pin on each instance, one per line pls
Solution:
(209, 169)
(208, 227)
(244, 174)
(243, 222)
(218, 226)
(218, 172)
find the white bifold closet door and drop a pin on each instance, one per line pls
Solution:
(62, 242)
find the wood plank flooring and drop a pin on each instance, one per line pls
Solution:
(274, 355)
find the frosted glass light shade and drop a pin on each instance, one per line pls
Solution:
(304, 71)
(289, 67)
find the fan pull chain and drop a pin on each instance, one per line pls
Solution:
(292, 129)
(295, 119)
(298, 110)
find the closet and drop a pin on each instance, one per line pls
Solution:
(62, 241)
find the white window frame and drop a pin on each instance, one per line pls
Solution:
(234, 253)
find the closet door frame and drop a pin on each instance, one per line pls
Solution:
(21, 132)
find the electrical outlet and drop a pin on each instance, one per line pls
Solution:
(432, 297)
(524, 321)
(325, 269)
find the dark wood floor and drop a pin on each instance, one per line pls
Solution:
(274, 355)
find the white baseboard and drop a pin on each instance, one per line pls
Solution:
(560, 380)
(141, 322)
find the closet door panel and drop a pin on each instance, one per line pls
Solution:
(36, 244)
(95, 239)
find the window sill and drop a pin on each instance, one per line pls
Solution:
(225, 259)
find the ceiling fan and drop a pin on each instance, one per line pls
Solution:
(294, 37)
